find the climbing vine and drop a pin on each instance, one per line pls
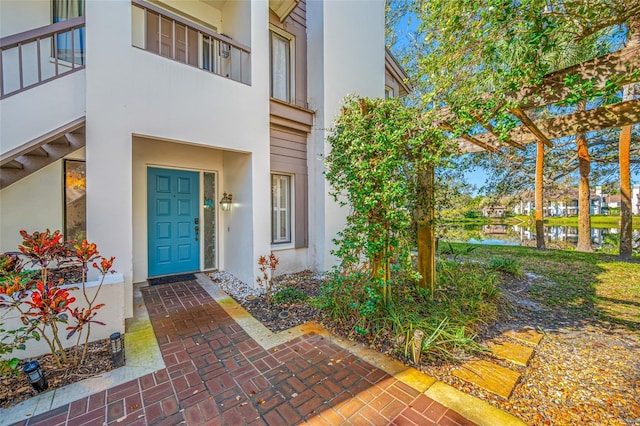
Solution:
(378, 149)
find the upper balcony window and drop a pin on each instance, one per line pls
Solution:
(282, 70)
(69, 46)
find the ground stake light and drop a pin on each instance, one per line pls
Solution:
(117, 349)
(36, 376)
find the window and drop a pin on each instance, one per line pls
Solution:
(388, 92)
(209, 225)
(281, 207)
(208, 57)
(70, 45)
(281, 66)
(75, 191)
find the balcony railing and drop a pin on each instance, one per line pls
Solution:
(34, 57)
(166, 34)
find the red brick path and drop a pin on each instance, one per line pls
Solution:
(216, 374)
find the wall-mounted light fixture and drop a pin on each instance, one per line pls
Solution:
(117, 349)
(225, 202)
(36, 376)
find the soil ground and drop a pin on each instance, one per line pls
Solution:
(16, 388)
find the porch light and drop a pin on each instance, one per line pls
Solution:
(117, 349)
(226, 202)
(36, 376)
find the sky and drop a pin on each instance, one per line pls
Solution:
(476, 178)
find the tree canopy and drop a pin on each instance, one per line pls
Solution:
(471, 58)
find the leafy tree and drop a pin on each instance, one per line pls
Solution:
(474, 58)
(380, 153)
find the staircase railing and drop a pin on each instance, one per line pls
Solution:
(32, 58)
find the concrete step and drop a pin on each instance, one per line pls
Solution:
(489, 376)
(513, 352)
(528, 336)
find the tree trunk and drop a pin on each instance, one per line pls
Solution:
(426, 238)
(626, 231)
(539, 187)
(584, 194)
(625, 193)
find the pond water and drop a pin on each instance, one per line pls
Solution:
(516, 235)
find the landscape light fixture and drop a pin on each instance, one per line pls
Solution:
(226, 201)
(36, 376)
(117, 349)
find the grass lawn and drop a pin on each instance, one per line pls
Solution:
(592, 285)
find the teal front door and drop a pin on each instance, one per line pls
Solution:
(173, 221)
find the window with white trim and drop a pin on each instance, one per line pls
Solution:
(281, 208)
(282, 61)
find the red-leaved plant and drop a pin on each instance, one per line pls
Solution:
(45, 305)
(267, 266)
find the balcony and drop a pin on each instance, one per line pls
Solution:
(35, 57)
(175, 34)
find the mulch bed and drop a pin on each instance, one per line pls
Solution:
(298, 313)
(582, 372)
(16, 388)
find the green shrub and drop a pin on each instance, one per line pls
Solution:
(507, 265)
(289, 295)
(350, 301)
(446, 248)
(466, 298)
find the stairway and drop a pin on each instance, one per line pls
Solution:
(496, 378)
(30, 157)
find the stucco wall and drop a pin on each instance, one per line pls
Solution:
(130, 91)
(156, 153)
(34, 203)
(17, 16)
(111, 294)
(30, 114)
(343, 59)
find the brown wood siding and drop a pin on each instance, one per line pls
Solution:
(296, 25)
(289, 155)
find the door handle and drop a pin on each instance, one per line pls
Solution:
(197, 229)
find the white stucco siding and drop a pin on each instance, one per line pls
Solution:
(111, 295)
(37, 111)
(30, 114)
(291, 260)
(198, 10)
(134, 92)
(17, 16)
(352, 63)
(34, 203)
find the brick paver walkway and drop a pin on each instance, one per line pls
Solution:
(216, 374)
